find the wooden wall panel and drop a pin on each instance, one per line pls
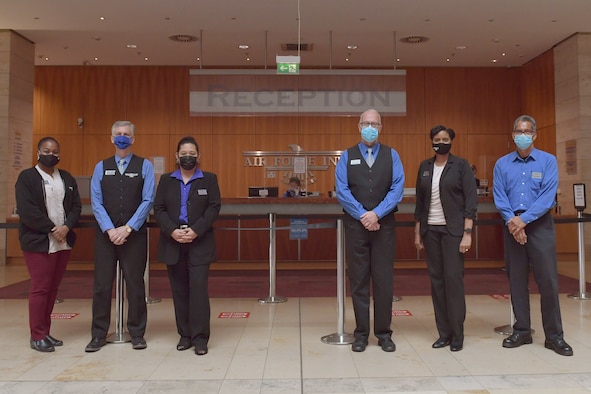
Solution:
(537, 83)
(446, 98)
(58, 96)
(478, 103)
(105, 98)
(149, 99)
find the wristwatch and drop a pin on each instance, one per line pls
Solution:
(128, 229)
(468, 230)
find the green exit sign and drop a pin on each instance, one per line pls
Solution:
(288, 68)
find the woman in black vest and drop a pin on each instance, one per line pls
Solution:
(186, 205)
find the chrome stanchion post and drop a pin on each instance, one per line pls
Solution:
(340, 337)
(272, 298)
(508, 328)
(582, 294)
(149, 300)
(119, 336)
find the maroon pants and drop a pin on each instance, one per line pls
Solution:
(46, 271)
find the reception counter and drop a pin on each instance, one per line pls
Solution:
(242, 232)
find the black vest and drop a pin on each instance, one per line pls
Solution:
(122, 193)
(369, 186)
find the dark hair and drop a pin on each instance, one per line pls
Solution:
(44, 140)
(187, 140)
(437, 129)
(296, 180)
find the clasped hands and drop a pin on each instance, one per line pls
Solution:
(516, 228)
(60, 232)
(118, 235)
(184, 236)
(370, 221)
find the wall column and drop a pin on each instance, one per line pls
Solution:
(572, 81)
(17, 73)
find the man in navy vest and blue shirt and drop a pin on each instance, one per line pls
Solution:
(122, 193)
(524, 189)
(369, 186)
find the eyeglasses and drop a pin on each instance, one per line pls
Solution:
(526, 132)
(372, 124)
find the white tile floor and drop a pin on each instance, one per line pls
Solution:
(278, 349)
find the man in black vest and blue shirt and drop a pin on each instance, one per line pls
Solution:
(122, 193)
(369, 185)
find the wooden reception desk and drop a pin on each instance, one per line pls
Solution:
(242, 233)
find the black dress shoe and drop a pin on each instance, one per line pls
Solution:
(517, 339)
(201, 349)
(53, 341)
(42, 345)
(95, 345)
(441, 342)
(456, 346)
(138, 343)
(387, 344)
(560, 346)
(359, 345)
(184, 344)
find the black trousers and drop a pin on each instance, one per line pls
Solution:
(539, 255)
(132, 257)
(446, 270)
(190, 295)
(370, 261)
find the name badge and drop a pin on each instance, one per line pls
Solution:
(202, 192)
(536, 175)
(131, 174)
(355, 162)
(426, 173)
(109, 172)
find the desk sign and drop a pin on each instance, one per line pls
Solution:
(298, 228)
(579, 196)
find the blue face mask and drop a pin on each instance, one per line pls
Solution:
(122, 141)
(369, 134)
(523, 141)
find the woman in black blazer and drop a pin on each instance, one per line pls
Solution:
(48, 204)
(445, 209)
(186, 205)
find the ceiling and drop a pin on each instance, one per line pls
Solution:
(470, 33)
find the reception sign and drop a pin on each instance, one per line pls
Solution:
(319, 92)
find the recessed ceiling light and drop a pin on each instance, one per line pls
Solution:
(352, 47)
(414, 39)
(243, 46)
(183, 38)
(146, 59)
(96, 59)
(131, 46)
(102, 18)
(494, 60)
(460, 47)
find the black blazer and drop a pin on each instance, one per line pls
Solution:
(457, 191)
(34, 224)
(203, 207)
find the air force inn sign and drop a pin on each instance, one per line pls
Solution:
(287, 163)
(254, 92)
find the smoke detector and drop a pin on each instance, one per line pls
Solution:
(183, 38)
(414, 39)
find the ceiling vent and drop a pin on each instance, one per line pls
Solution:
(414, 39)
(183, 38)
(294, 47)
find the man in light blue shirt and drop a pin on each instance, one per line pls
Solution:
(369, 186)
(122, 193)
(524, 189)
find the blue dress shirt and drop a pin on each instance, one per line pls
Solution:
(185, 188)
(527, 185)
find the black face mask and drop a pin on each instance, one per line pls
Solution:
(49, 160)
(441, 149)
(188, 162)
